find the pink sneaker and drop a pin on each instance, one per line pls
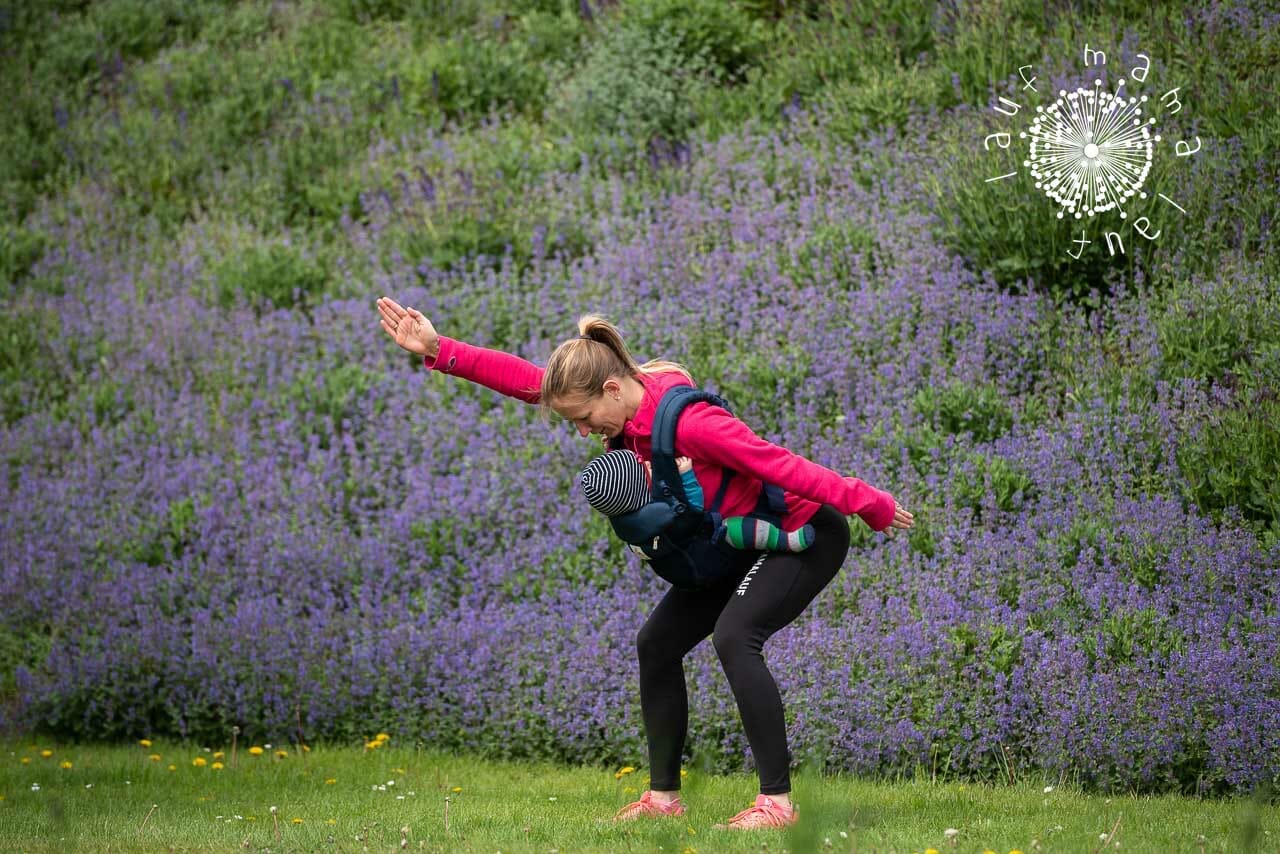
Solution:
(766, 813)
(647, 807)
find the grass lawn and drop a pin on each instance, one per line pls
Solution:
(348, 799)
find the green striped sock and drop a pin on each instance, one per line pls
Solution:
(744, 532)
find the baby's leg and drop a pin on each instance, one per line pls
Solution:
(746, 532)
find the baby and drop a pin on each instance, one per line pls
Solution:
(615, 483)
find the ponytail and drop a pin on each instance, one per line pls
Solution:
(579, 367)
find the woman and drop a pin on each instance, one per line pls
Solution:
(592, 381)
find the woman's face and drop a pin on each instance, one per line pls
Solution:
(605, 414)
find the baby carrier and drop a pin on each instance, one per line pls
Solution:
(686, 546)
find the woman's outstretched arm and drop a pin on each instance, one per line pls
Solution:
(502, 372)
(711, 433)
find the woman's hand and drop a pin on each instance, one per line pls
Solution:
(902, 519)
(408, 328)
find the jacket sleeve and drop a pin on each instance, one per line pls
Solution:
(711, 434)
(502, 372)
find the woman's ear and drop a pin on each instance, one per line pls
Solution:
(612, 388)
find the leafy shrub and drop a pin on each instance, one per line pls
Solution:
(278, 273)
(713, 32)
(468, 76)
(979, 477)
(634, 84)
(29, 377)
(19, 249)
(962, 408)
(1233, 459)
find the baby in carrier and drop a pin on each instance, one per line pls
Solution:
(616, 482)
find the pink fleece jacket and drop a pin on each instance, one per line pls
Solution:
(710, 436)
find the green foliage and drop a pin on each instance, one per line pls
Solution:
(29, 376)
(838, 244)
(468, 76)
(326, 397)
(19, 249)
(636, 85)
(1233, 459)
(278, 273)
(1128, 636)
(26, 649)
(162, 539)
(710, 32)
(995, 648)
(549, 37)
(979, 477)
(958, 407)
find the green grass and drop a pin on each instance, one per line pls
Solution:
(116, 797)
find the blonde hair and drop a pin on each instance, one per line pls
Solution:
(580, 366)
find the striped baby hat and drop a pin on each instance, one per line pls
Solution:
(615, 483)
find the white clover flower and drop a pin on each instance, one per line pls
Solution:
(88, 785)
(951, 833)
(1048, 789)
(273, 810)
(552, 798)
(35, 787)
(844, 835)
(391, 782)
(399, 797)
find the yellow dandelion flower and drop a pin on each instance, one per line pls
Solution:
(1016, 851)
(46, 753)
(331, 821)
(684, 773)
(173, 767)
(306, 749)
(218, 754)
(330, 781)
(199, 762)
(26, 760)
(281, 754)
(66, 765)
(217, 766)
(155, 757)
(255, 750)
(382, 736)
(988, 851)
(1, 797)
(397, 770)
(931, 851)
(145, 742)
(457, 789)
(297, 821)
(622, 772)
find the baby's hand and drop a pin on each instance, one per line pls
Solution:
(683, 464)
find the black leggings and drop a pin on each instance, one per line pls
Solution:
(740, 613)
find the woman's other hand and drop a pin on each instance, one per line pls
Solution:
(902, 519)
(408, 328)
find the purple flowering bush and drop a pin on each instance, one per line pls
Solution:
(235, 504)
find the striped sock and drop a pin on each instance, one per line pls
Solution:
(744, 532)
